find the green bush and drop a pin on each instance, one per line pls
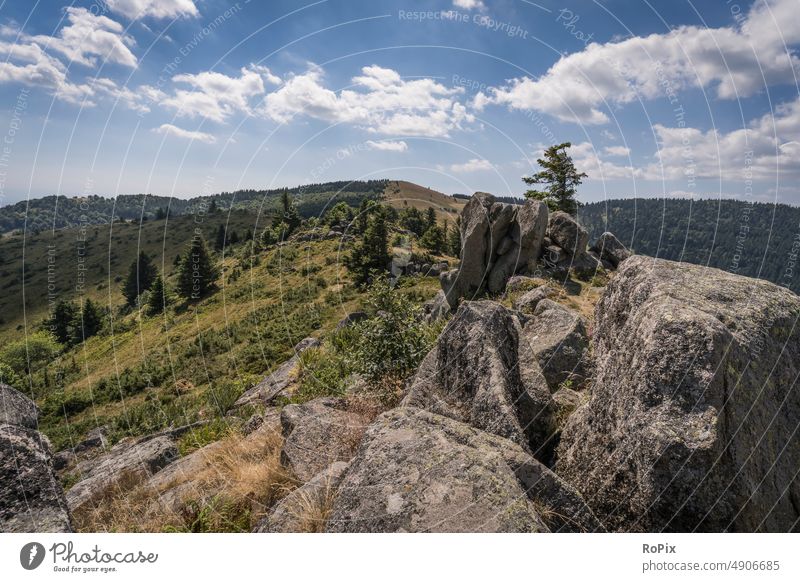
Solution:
(36, 349)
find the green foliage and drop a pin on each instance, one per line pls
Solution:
(340, 214)
(36, 349)
(204, 435)
(434, 239)
(412, 219)
(289, 219)
(393, 341)
(560, 177)
(61, 321)
(454, 239)
(141, 275)
(370, 255)
(10, 377)
(88, 321)
(223, 394)
(197, 274)
(160, 297)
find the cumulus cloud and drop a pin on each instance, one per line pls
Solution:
(736, 61)
(380, 101)
(154, 8)
(217, 96)
(469, 4)
(175, 131)
(473, 165)
(88, 38)
(617, 151)
(387, 146)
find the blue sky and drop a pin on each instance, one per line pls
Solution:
(188, 97)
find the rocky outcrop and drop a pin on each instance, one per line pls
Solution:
(527, 303)
(556, 338)
(566, 233)
(416, 471)
(305, 509)
(692, 420)
(277, 382)
(472, 375)
(609, 248)
(497, 240)
(318, 433)
(129, 460)
(31, 498)
(436, 309)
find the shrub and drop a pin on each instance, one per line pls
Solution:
(36, 349)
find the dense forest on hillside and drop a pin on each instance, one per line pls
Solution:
(57, 212)
(752, 239)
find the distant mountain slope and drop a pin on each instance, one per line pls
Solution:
(756, 240)
(401, 194)
(57, 212)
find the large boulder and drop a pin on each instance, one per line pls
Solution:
(609, 248)
(318, 433)
(16, 408)
(527, 302)
(556, 338)
(278, 381)
(565, 232)
(306, 509)
(693, 417)
(497, 240)
(421, 472)
(472, 375)
(31, 498)
(128, 460)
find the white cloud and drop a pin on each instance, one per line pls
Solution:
(173, 130)
(473, 165)
(380, 101)
(617, 151)
(469, 4)
(88, 37)
(387, 146)
(217, 96)
(155, 8)
(139, 99)
(735, 60)
(588, 160)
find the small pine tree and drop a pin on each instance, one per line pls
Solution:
(248, 236)
(160, 298)
(87, 322)
(234, 238)
(289, 219)
(61, 320)
(433, 239)
(370, 255)
(141, 274)
(454, 239)
(160, 214)
(212, 208)
(362, 218)
(197, 274)
(219, 240)
(430, 218)
(561, 177)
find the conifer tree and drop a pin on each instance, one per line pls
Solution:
(197, 273)
(370, 256)
(160, 298)
(141, 274)
(559, 174)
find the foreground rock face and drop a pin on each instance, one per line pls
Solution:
(31, 498)
(317, 434)
(693, 415)
(129, 459)
(277, 382)
(420, 472)
(567, 234)
(472, 375)
(497, 240)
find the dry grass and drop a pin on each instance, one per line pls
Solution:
(310, 509)
(237, 482)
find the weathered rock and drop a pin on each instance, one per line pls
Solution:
(421, 472)
(302, 511)
(565, 402)
(609, 248)
(553, 255)
(497, 240)
(566, 233)
(692, 420)
(31, 498)
(556, 338)
(277, 382)
(129, 459)
(436, 309)
(317, 434)
(471, 375)
(522, 283)
(16, 408)
(270, 418)
(585, 266)
(527, 303)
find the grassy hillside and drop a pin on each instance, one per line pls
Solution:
(755, 240)
(402, 195)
